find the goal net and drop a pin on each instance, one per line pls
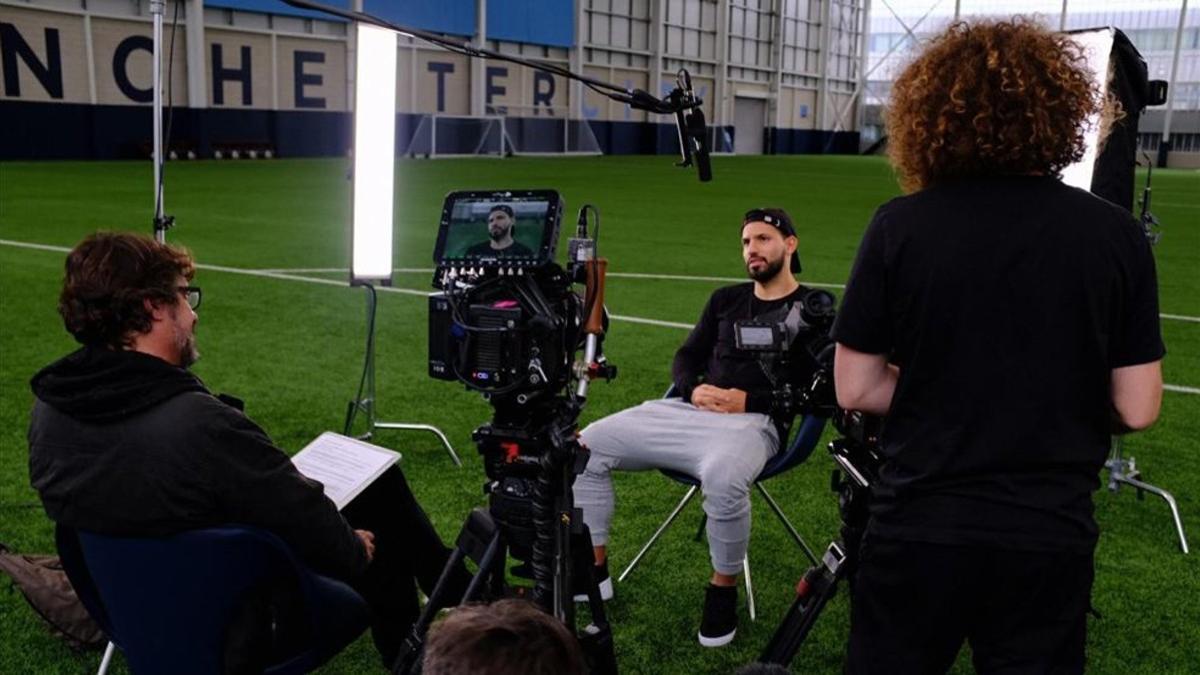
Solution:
(541, 131)
(457, 136)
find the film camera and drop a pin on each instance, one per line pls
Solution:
(509, 324)
(796, 353)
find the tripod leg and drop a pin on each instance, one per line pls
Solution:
(596, 638)
(814, 591)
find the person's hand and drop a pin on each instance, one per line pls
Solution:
(716, 399)
(368, 541)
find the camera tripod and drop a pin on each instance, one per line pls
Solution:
(532, 517)
(1123, 470)
(820, 582)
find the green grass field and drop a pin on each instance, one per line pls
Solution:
(292, 348)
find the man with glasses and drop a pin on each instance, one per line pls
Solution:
(125, 441)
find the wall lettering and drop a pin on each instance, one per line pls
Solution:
(491, 89)
(301, 78)
(120, 66)
(221, 75)
(543, 92)
(48, 74)
(441, 70)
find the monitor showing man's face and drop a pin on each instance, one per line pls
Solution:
(499, 224)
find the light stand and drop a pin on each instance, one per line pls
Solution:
(161, 223)
(1123, 470)
(1111, 57)
(373, 203)
(365, 402)
(1120, 469)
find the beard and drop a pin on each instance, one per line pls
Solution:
(188, 354)
(499, 233)
(185, 344)
(767, 271)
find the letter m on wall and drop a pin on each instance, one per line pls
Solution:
(13, 47)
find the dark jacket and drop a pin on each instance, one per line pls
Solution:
(124, 443)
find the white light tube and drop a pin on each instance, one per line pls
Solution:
(374, 153)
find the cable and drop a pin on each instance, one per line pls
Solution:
(637, 98)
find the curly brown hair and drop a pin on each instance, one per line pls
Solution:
(109, 278)
(990, 98)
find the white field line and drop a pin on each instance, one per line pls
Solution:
(626, 275)
(276, 274)
(619, 275)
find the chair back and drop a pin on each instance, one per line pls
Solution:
(167, 602)
(799, 450)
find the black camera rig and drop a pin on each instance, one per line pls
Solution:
(856, 453)
(796, 354)
(509, 324)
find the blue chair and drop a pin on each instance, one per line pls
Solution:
(167, 601)
(806, 437)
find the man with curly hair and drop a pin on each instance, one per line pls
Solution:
(1006, 324)
(125, 441)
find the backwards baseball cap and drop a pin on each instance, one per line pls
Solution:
(778, 219)
(501, 207)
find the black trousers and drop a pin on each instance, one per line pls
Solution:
(913, 605)
(407, 550)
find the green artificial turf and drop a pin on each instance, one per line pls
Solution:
(293, 348)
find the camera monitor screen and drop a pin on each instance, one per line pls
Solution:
(499, 228)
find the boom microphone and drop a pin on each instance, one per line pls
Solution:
(690, 126)
(698, 135)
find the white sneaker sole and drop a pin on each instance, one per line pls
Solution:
(606, 592)
(719, 641)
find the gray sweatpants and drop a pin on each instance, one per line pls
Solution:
(726, 451)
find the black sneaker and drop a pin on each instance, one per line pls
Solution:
(719, 623)
(603, 580)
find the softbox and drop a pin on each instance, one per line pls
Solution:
(1107, 167)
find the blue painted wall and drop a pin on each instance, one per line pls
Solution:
(540, 22)
(456, 17)
(277, 7)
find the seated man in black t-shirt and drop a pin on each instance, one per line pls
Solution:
(1005, 324)
(501, 224)
(719, 429)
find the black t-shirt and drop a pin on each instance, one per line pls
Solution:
(513, 250)
(710, 355)
(1006, 303)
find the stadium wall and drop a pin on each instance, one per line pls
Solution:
(76, 75)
